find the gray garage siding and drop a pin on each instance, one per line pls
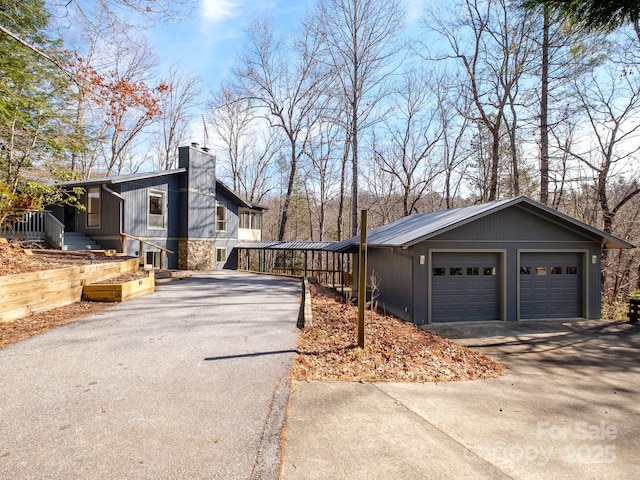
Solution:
(393, 269)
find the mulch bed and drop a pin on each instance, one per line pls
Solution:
(395, 350)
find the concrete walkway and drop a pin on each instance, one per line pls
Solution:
(187, 383)
(567, 408)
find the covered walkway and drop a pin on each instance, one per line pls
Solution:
(330, 262)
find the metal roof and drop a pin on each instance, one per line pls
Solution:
(121, 178)
(286, 245)
(419, 227)
(416, 228)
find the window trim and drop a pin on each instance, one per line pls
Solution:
(221, 249)
(223, 207)
(162, 194)
(250, 217)
(155, 255)
(90, 213)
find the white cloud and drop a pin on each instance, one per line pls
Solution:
(415, 10)
(220, 10)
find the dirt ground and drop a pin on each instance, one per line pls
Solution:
(395, 350)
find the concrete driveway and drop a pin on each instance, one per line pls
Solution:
(568, 407)
(187, 383)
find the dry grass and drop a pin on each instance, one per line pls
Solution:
(395, 351)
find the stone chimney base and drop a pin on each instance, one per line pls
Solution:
(196, 255)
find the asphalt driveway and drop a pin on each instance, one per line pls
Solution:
(187, 383)
(568, 407)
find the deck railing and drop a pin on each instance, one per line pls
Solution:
(30, 225)
(141, 241)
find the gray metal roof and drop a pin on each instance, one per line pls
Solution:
(419, 227)
(416, 228)
(285, 245)
(120, 178)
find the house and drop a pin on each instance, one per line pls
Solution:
(513, 259)
(183, 218)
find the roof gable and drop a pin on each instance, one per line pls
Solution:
(414, 229)
(122, 179)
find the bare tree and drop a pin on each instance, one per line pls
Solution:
(490, 40)
(248, 147)
(610, 141)
(359, 41)
(412, 132)
(175, 106)
(322, 171)
(282, 84)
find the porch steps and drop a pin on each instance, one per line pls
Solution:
(79, 241)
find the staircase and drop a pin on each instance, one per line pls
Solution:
(79, 241)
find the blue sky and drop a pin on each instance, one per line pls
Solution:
(210, 40)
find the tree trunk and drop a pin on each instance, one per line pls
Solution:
(289, 194)
(544, 110)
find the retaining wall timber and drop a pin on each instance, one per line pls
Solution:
(27, 293)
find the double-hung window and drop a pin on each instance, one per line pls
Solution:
(156, 211)
(221, 217)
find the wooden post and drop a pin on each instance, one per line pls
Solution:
(362, 276)
(124, 243)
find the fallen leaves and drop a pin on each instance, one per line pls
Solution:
(14, 260)
(395, 351)
(23, 328)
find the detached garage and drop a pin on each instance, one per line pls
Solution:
(508, 260)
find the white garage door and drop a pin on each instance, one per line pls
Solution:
(550, 285)
(465, 287)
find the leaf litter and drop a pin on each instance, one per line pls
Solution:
(394, 351)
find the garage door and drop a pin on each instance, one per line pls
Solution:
(550, 285)
(465, 287)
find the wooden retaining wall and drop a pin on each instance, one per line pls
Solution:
(27, 293)
(120, 292)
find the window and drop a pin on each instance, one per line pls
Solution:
(556, 270)
(489, 271)
(473, 271)
(221, 218)
(525, 270)
(156, 218)
(93, 207)
(439, 272)
(572, 270)
(541, 270)
(250, 220)
(221, 254)
(455, 271)
(153, 259)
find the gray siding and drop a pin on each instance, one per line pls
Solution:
(508, 232)
(197, 194)
(393, 271)
(229, 238)
(109, 216)
(136, 199)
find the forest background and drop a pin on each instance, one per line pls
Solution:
(480, 100)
